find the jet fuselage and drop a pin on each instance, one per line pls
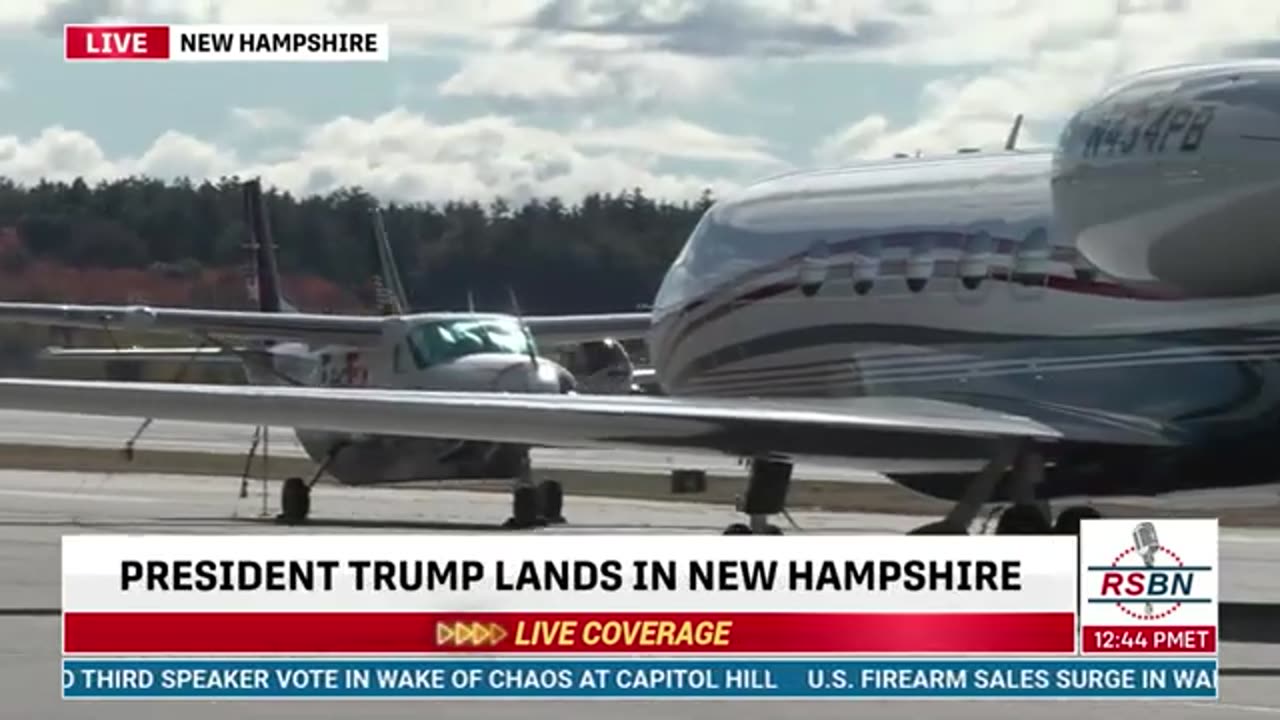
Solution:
(1131, 270)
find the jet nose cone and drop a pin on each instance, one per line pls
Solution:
(525, 377)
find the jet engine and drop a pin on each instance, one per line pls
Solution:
(601, 367)
(1169, 180)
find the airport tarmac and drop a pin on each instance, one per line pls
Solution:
(19, 427)
(37, 508)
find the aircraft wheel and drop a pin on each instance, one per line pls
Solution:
(1068, 522)
(941, 527)
(295, 501)
(551, 499)
(737, 529)
(524, 510)
(1023, 520)
(771, 530)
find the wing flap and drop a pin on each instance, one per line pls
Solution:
(865, 428)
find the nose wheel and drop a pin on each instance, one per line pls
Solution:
(767, 486)
(534, 506)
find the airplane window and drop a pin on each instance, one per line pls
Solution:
(441, 342)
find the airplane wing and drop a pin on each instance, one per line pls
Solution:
(175, 354)
(867, 428)
(317, 328)
(567, 329)
(355, 330)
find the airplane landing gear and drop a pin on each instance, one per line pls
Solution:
(527, 499)
(1023, 519)
(551, 502)
(1068, 522)
(1026, 516)
(767, 486)
(524, 509)
(979, 491)
(536, 505)
(295, 494)
(295, 501)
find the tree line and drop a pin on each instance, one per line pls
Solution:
(606, 252)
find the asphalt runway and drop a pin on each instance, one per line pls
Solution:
(37, 508)
(59, 430)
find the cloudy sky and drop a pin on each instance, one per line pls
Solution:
(541, 97)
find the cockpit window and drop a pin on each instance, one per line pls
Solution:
(676, 286)
(718, 250)
(439, 342)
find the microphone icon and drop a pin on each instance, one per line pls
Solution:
(1146, 543)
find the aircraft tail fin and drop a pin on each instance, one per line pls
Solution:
(1011, 142)
(392, 299)
(264, 274)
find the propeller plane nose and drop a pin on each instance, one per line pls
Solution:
(542, 376)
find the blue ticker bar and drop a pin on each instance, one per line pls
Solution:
(637, 678)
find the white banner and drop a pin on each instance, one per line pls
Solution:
(524, 573)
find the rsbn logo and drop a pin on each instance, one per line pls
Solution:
(1148, 581)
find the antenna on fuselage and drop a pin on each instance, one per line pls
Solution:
(471, 302)
(1011, 142)
(515, 309)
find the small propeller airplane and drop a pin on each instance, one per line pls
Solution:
(401, 349)
(597, 366)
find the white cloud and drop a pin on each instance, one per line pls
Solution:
(742, 28)
(175, 154)
(48, 16)
(552, 76)
(263, 118)
(996, 57)
(57, 154)
(1049, 58)
(676, 138)
(405, 157)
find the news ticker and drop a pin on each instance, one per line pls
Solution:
(1131, 590)
(639, 678)
(227, 43)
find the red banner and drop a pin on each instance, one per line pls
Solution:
(564, 632)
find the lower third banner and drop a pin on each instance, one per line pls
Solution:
(638, 678)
